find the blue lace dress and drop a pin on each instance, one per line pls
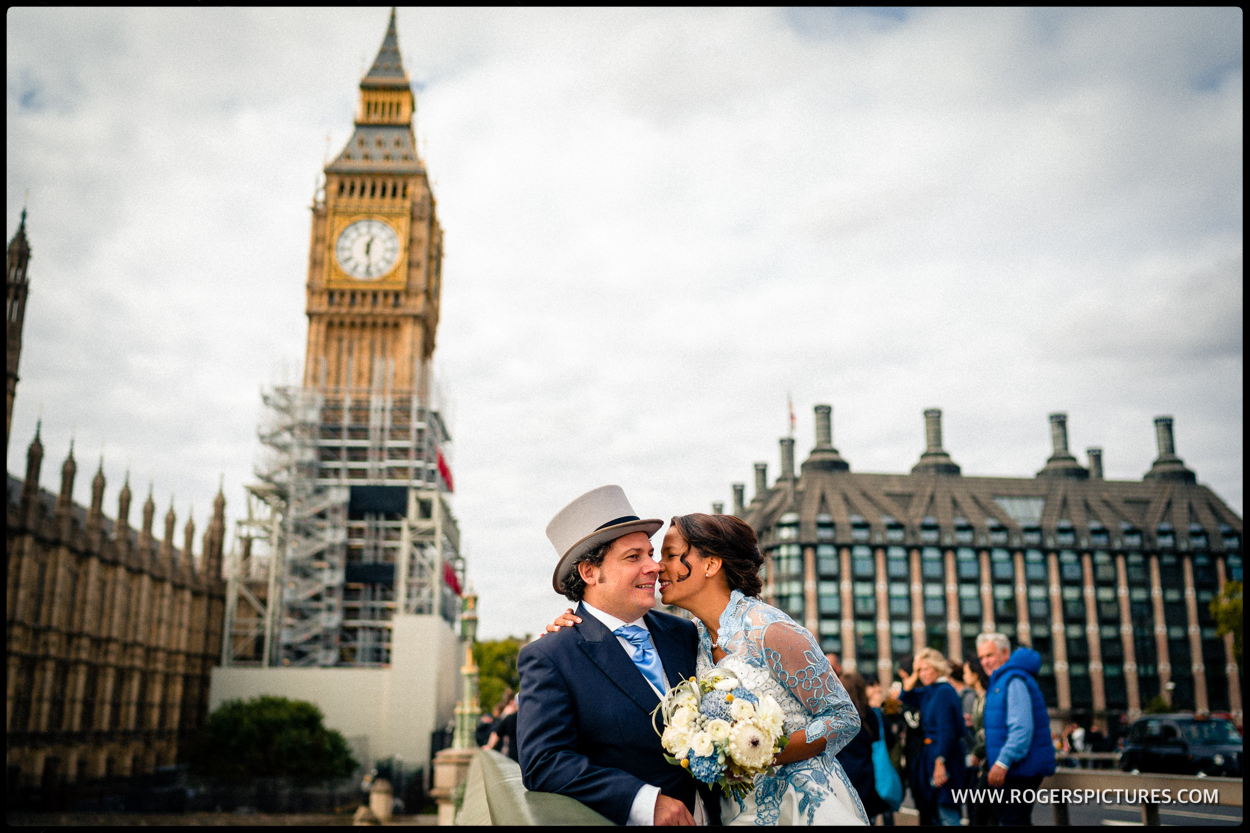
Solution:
(771, 654)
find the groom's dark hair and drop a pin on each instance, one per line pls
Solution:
(731, 540)
(572, 586)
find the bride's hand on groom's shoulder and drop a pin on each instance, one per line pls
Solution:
(564, 620)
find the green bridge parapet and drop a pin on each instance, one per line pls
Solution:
(494, 795)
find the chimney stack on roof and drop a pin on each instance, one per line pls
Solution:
(824, 426)
(787, 458)
(739, 498)
(824, 456)
(1059, 434)
(1163, 433)
(761, 480)
(934, 460)
(718, 508)
(1061, 463)
(1095, 463)
(933, 430)
(1168, 466)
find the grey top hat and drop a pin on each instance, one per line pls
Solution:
(596, 517)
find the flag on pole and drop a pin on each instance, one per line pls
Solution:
(790, 402)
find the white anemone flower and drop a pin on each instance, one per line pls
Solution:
(749, 746)
(719, 730)
(740, 709)
(701, 744)
(727, 684)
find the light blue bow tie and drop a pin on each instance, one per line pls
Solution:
(645, 656)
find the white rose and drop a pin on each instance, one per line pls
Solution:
(727, 684)
(719, 730)
(683, 717)
(676, 741)
(741, 709)
(701, 744)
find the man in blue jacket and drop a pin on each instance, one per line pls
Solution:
(587, 692)
(940, 767)
(1017, 727)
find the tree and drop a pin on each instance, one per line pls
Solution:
(268, 736)
(1227, 610)
(1158, 705)
(496, 669)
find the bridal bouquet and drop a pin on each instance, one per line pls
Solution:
(720, 731)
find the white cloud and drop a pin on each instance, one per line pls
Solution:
(658, 223)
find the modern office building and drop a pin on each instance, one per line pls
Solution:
(1109, 580)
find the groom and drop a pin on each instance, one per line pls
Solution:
(587, 692)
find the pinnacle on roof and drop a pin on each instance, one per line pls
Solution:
(388, 67)
(18, 246)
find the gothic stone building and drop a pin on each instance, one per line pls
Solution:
(1109, 580)
(111, 633)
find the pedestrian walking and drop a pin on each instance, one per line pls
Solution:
(1017, 727)
(939, 769)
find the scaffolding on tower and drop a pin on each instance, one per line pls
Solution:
(350, 522)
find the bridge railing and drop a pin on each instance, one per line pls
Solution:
(1225, 791)
(494, 795)
(1088, 760)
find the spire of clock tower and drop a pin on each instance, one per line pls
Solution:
(388, 67)
(375, 266)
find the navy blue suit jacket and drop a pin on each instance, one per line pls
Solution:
(942, 719)
(584, 724)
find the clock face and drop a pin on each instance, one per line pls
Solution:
(367, 249)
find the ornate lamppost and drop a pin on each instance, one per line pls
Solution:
(468, 710)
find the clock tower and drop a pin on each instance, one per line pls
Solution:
(351, 523)
(374, 265)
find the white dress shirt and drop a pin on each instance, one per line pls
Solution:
(642, 811)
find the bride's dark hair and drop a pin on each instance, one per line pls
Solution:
(732, 541)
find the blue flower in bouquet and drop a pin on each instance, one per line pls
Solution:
(744, 694)
(716, 706)
(707, 769)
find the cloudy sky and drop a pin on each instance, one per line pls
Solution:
(658, 225)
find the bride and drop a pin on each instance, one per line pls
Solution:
(710, 566)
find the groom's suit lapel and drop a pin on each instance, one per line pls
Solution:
(676, 657)
(601, 645)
